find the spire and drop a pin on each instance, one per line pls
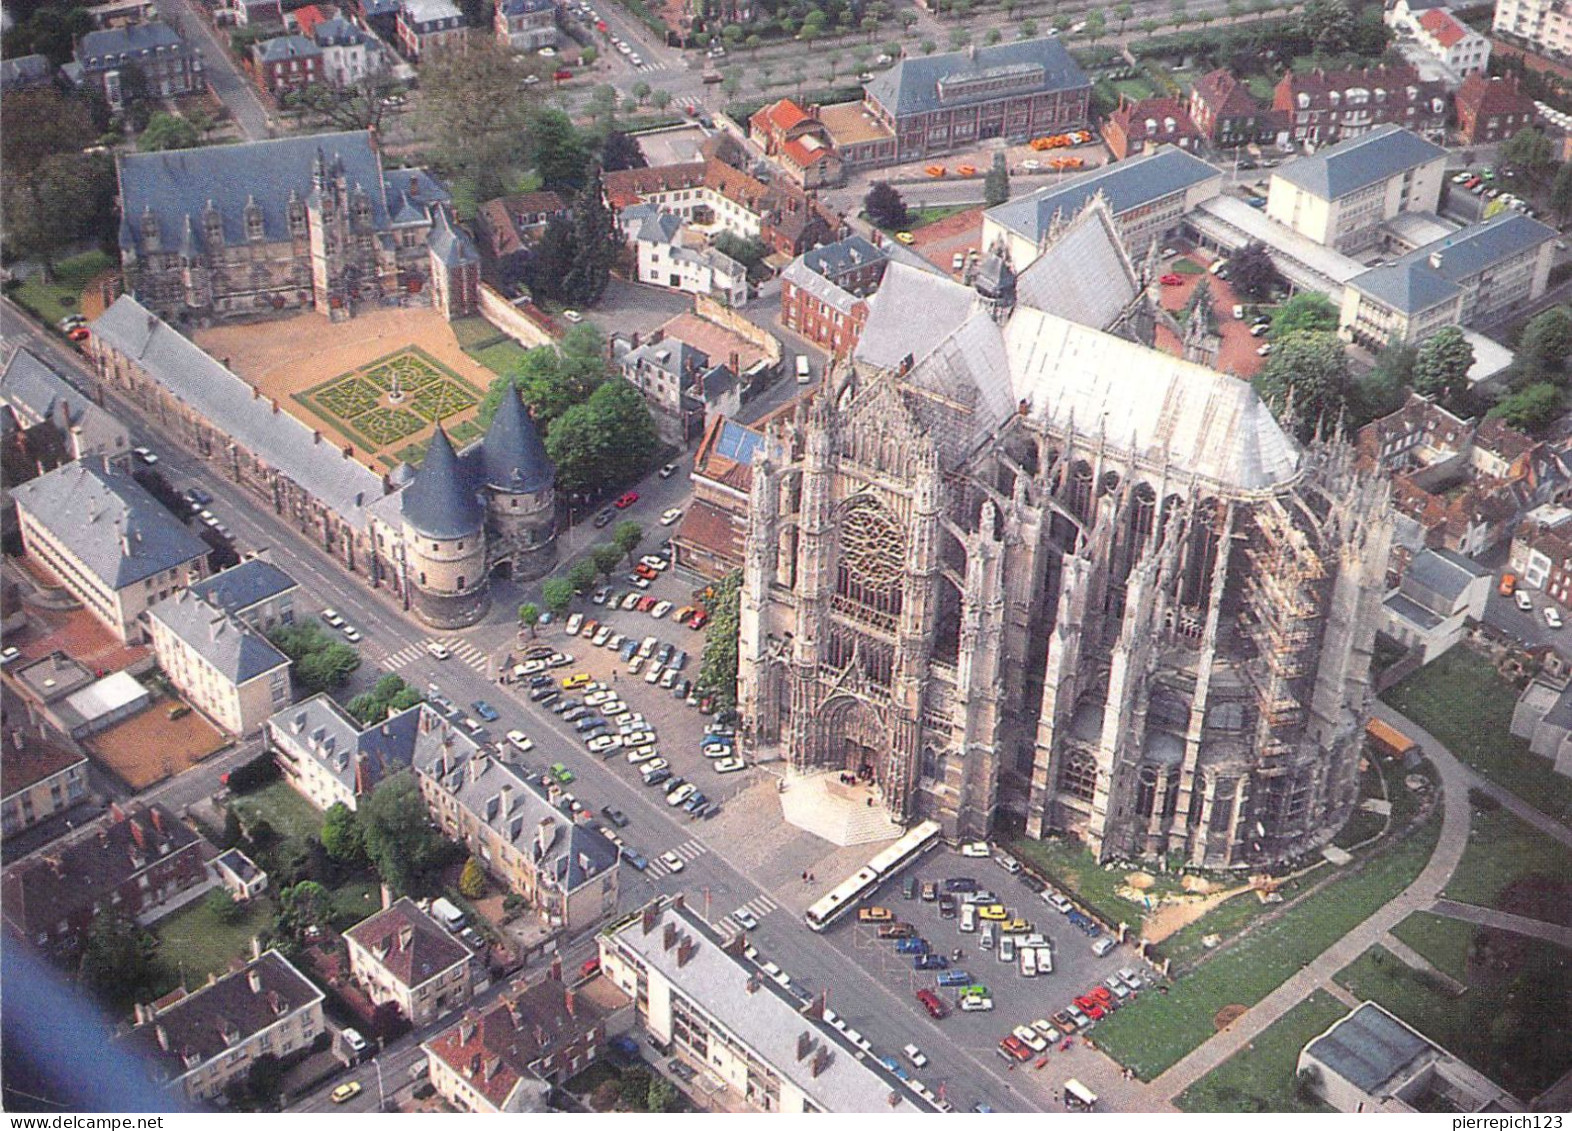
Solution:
(512, 452)
(438, 503)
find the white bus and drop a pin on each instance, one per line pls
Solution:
(886, 864)
(1077, 1094)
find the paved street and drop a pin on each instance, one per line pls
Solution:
(223, 74)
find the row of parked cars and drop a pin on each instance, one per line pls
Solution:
(1024, 1042)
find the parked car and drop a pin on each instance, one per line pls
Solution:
(485, 710)
(670, 515)
(626, 500)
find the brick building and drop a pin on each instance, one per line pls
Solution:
(824, 292)
(169, 65)
(1227, 114)
(714, 529)
(404, 956)
(1491, 109)
(1327, 106)
(1138, 126)
(429, 25)
(526, 25)
(286, 63)
(799, 143)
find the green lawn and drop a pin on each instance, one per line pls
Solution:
(195, 943)
(1136, 88)
(1262, 1076)
(473, 332)
(1261, 87)
(1159, 1029)
(922, 217)
(53, 301)
(1443, 942)
(500, 357)
(1076, 870)
(288, 812)
(1503, 849)
(1465, 703)
(1227, 919)
(354, 899)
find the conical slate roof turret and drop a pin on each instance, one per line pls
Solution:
(514, 457)
(439, 503)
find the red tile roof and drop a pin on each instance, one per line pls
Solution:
(1134, 118)
(1225, 94)
(1492, 96)
(802, 154)
(782, 115)
(308, 18)
(1443, 27)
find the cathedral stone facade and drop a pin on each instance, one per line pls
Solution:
(1026, 567)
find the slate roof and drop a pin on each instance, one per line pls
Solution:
(233, 648)
(31, 384)
(244, 586)
(1408, 609)
(345, 486)
(426, 952)
(108, 522)
(1084, 274)
(449, 243)
(1419, 281)
(806, 279)
(178, 184)
(24, 71)
(358, 757)
(513, 456)
(36, 755)
(842, 256)
(1443, 572)
(656, 226)
(285, 47)
(1368, 1048)
(1126, 185)
(1359, 162)
(917, 84)
(910, 313)
(525, 7)
(107, 45)
(337, 32)
(207, 1023)
(441, 502)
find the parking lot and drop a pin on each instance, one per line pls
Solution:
(1017, 1000)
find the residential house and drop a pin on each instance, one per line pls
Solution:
(330, 758)
(934, 104)
(681, 385)
(256, 591)
(508, 1057)
(25, 72)
(41, 772)
(239, 874)
(824, 292)
(1491, 109)
(712, 535)
(798, 142)
(257, 13)
(1141, 125)
(225, 668)
(140, 862)
(1330, 106)
(1341, 196)
(169, 66)
(526, 25)
(286, 63)
(110, 543)
(507, 229)
(669, 255)
(199, 1041)
(1542, 26)
(404, 956)
(1455, 45)
(712, 1006)
(48, 422)
(1440, 594)
(1469, 277)
(1228, 115)
(350, 54)
(429, 25)
(1543, 716)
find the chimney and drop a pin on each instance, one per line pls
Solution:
(275, 405)
(466, 1030)
(570, 1002)
(254, 980)
(256, 946)
(735, 945)
(678, 902)
(821, 1061)
(545, 833)
(805, 1043)
(316, 436)
(668, 937)
(752, 985)
(158, 819)
(163, 1037)
(1435, 259)
(648, 917)
(686, 950)
(256, 393)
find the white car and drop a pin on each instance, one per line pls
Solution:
(574, 623)
(331, 617)
(530, 667)
(1031, 1038)
(915, 1055)
(630, 601)
(145, 456)
(653, 672)
(1552, 617)
(602, 634)
(602, 743)
(976, 1003)
(637, 754)
(1046, 1029)
(745, 919)
(521, 740)
(670, 516)
(654, 767)
(976, 848)
(661, 609)
(573, 316)
(729, 765)
(655, 563)
(672, 861)
(352, 634)
(613, 707)
(438, 650)
(680, 794)
(596, 698)
(640, 736)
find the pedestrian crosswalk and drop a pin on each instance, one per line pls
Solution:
(652, 68)
(462, 650)
(756, 908)
(683, 101)
(688, 851)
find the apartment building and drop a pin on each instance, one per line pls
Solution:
(225, 668)
(526, 25)
(169, 66)
(1543, 26)
(1342, 195)
(1491, 109)
(41, 774)
(286, 63)
(404, 956)
(197, 1042)
(1323, 107)
(54, 423)
(1455, 45)
(824, 292)
(111, 544)
(429, 25)
(256, 591)
(328, 757)
(669, 255)
(1139, 125)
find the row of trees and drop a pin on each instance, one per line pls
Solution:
(321, 663)
(718, 668)
(390, 695)
(558, 592)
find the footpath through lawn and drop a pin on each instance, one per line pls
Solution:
(1264, 1075)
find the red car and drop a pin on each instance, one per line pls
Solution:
(1103, 995)
(645, 603)
(1012, 1048)
(700, 619)
(590, 966)
(1172, 280)
(646, 572)
(562, 76)
(627, 500)
(930, 1001)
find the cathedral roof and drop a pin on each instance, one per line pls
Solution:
(911, 312)
(1084, 274)
(513, 456)
(441, 503)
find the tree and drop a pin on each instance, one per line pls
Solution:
(557, 592)
(552, 380)
(641, 90)
(168, 131)
(596, 246)
(360, 105)
(731, 83)
(1305, 312)
(64, 200)
(583, 575)
(992, 35)
(1096, 24)
(472, 880)
(660, 99)
(341, 834)
(1124, 10)
(1384, 389)
(1328, 25)
(1150, 26)
(1530, 408)
(1252, 272)
(606, 558)
(718, 668)
(302, 906)
(1561, 193)
(627, 536)
(1529, 150)
(529, 616)
(475, 106)
(996, 185)
(885, 206)
(222, 906)
(619, 151)
(321, 664)
(927, 47)
(557, 151)
(1312, 370)
(553, 256)
(1545, 346)
(661, 1095)
(117, 960)
(1442, 365)
(608, 439)
(390, 695)
(399, 840)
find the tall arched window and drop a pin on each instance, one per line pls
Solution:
(1146, 791)
(1078, 778)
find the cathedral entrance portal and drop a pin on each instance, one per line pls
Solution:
(856, 744)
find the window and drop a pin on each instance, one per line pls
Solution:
(1078, 777)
